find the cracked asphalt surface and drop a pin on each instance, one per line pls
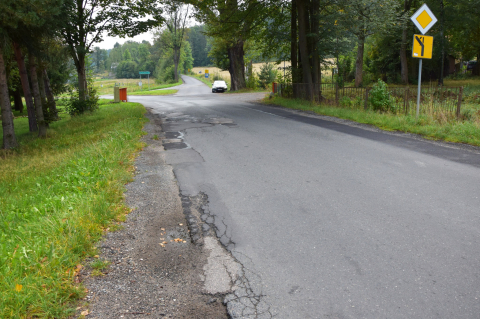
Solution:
(321, 218)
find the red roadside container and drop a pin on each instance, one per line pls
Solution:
(123, 94)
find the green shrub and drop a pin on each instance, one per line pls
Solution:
(74, 106)
(252, 81)
(379, 98)
(267, 75)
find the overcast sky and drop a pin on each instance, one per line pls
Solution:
(109, 42)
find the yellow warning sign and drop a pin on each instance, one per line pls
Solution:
(422, 46)
(206, 71)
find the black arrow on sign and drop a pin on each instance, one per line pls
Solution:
(421, 44)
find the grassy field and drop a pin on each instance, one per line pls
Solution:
(105, 86)
(57, 197)
(225, 75)
(451, 130)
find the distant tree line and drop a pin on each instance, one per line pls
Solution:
(126, 60)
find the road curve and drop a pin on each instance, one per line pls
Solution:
(327, 220)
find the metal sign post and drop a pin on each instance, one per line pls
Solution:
(424, 19)
(419, 87)
(148, 77)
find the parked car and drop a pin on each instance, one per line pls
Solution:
(471, 65)
(219, 86)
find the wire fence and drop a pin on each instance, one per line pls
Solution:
(403, 100)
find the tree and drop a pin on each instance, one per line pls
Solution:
(231, 23)
(177, 17)
(163, 49)
(403, 49)
(9, 139)
(85, 21)
(22, 23)
(363, 18)
(199, 45)
(99, 59)
(187, 58)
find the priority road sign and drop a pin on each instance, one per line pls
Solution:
(206, 71)
(424, 19)
(422, 46)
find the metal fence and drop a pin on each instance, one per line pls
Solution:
(433, 100)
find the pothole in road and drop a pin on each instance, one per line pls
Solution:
(219, 120)
(174, 141)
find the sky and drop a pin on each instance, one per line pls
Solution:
(109, 42)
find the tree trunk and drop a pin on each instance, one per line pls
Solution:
(41, 86)
(359, 63)
(9, 139)
(237, 67)
(82, 77)
(42, 127)
(403, 47)
(52, 105)
(403, 57)
(476, 68)
(32, 120)
(442, 34)
(302, 43)
(176, 61)
(293, 42)
(17, 100)
(315, 30)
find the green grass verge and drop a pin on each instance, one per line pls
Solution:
(130, 84)
(467, 132)
(155, 92)
(57, 197)
(203, 79)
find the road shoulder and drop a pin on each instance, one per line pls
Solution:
(155, 270)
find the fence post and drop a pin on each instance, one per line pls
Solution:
(336, 94)
(366, 98)
(459, 104)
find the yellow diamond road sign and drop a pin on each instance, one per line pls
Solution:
(422, 46)
(424, 19)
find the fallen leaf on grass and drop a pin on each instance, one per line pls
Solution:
(84, 313)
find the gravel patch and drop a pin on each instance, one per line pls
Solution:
(155, 270)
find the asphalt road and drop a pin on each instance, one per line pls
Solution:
(328, 220)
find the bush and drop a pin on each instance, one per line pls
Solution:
(379, 98)
(74, 106)
(252, 81)
(267, 75)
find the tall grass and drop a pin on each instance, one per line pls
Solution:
(57, 197)
(442, 128)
